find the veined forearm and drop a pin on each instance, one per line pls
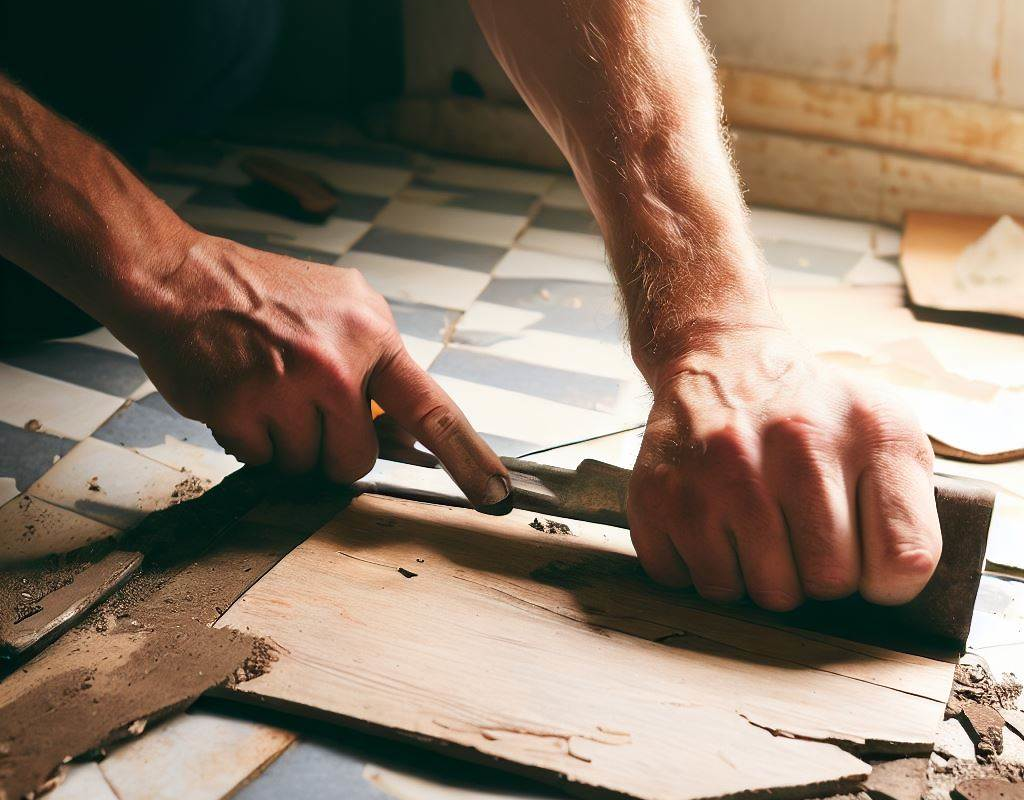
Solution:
(73, 215)
(627, 91)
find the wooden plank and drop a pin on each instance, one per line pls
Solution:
(930, 247)
(553, 655)
(826, 177)
(972, 133)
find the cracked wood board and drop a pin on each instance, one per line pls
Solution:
(553, 656)
(930, 246)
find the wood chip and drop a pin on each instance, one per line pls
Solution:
(984, 724)
(902, 779)
(988, 789)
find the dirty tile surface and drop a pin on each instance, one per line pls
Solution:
(498, 285)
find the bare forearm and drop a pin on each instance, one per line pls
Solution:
(627, 91)
(74, 216)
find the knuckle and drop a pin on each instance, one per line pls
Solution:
(775, 599)
(794, 435)
(354, 467)
(439, 419)
(828, 584)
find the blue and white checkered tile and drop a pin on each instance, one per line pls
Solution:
(424, 268)
(565, 231)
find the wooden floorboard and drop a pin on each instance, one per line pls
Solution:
(553, 655)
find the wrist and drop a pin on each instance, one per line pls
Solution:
(151, 277)
(663, 348)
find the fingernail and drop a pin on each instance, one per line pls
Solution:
(497, 496)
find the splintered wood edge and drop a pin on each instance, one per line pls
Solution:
(542, 775)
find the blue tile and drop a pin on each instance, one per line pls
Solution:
(498, 201)
(422, 321)
(93, 367)
(312, 768)
(570, 220)
(448, 252)
(27, 455)
(582, 309)
(578, 389)
(810, 258)
(146, 422)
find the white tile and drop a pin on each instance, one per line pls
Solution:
(129, 486)
(885, 241)
(209, 465)
(61, 408)
(31, 528)
(772, 225)
(873, 271)
(200, 755)
(418, 281)
(530, 419)
(102, 338)
(485, 176)
(423, 351)
(568, 243)
(333, 236)
(8, 489)
(464, 224)
(619, 449)
(519, 263)
(145, 390)
(560, 351)
(565, 193)
(487, 317)
(83, 782)
(1006, 534)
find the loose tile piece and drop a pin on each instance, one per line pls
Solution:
(984, 724)
(901, 779)
(952, 741)
(199, 755)
(32, 528)
(83, 781)
(108, 483)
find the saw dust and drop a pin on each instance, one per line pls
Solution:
(148, 650)
(974, 683)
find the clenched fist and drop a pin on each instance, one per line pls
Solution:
(765, 473)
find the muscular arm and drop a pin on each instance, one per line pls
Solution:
(278, 356)
(760, 471)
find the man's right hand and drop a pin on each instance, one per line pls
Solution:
(280, 357)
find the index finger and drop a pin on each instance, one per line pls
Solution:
(424, 409)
